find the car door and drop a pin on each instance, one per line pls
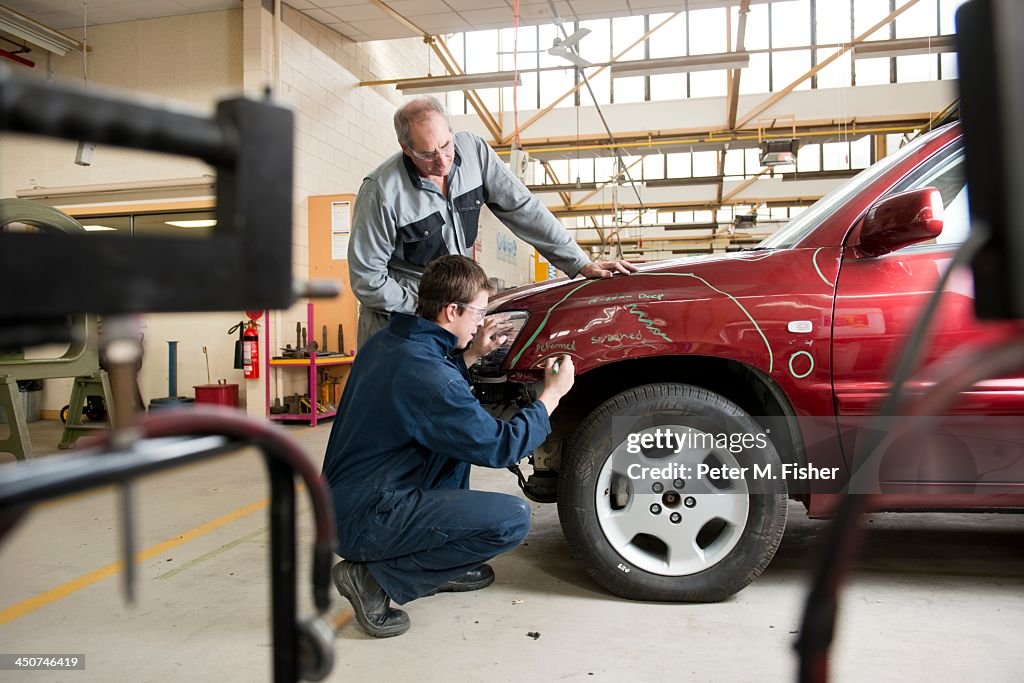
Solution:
(976, 455)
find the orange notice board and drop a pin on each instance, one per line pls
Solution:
(330, 220)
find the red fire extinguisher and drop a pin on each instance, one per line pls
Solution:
(251, 346)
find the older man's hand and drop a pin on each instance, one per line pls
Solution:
(596, 270)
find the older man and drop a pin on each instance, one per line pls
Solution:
(425, 202)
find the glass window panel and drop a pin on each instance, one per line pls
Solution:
(918, 20)
(679, 165)
(536, 172)
(456, 102)
(634, 171)
(808, 158)
(670, 39)
(585, 170)
(756, 35)
(625, 32)
(560, 167)
(872, 71)
(527, 60)
(705, 164)
(734, 162)
(603, 168)
(629, 89)
(779, 213)
(654, 166)
(708, 84)
(893, 142)
(527, 92)
(867, 13)
(480, 44)
(791, 23)
(950, 68)
(595, 47)
(947, 15)
(602, 87)
(553, 84)
(788, 66)
(832, 21)
(917, 68)
(754, 78)
(701, 217)
(707, 31)
(489, 97)
(836, 156)
(860, 153)
(836, 74)
(668, 87)
(753, 158)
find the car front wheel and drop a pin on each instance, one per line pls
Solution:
(692, 517)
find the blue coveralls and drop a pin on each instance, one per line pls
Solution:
(398, 461)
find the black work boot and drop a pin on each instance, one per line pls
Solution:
(371, 604)
(473, 580)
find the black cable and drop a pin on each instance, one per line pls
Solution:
(842, 543)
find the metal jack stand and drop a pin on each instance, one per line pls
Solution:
(301, 649)
(246, 264)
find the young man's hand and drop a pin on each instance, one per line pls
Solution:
(487, 339)
(559, 376)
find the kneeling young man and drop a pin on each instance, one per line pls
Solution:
(398, 460)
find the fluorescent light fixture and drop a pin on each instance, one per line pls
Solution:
(207, 223)
(494, 79)
(671, 65)
(901, 47)
(779, 152)
(97, 228)
(38, 34)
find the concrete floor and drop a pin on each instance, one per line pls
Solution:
(937, 597)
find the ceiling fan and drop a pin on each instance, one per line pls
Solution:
(566, 48)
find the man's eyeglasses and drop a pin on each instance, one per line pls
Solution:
(446, 150)
(479, 313)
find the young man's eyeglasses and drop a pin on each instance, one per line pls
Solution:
(479, 313)
(445, 150)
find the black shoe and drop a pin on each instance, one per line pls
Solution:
(473, 580)
(371, 604)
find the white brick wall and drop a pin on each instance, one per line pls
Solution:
(342, 130)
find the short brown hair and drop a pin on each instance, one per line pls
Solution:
(450, 280)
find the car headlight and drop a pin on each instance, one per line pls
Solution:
(512, 323)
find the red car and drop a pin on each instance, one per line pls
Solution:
(711, 390)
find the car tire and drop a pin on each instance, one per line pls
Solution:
(743, 539)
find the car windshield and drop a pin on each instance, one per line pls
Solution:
(802, 225)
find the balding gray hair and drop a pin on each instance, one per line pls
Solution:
(414, 110)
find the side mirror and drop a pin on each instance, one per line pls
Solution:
(901, 220)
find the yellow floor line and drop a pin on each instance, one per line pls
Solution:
(26, 606)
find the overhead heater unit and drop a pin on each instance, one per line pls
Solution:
(779, 152)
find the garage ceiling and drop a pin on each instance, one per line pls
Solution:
(363, 20)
